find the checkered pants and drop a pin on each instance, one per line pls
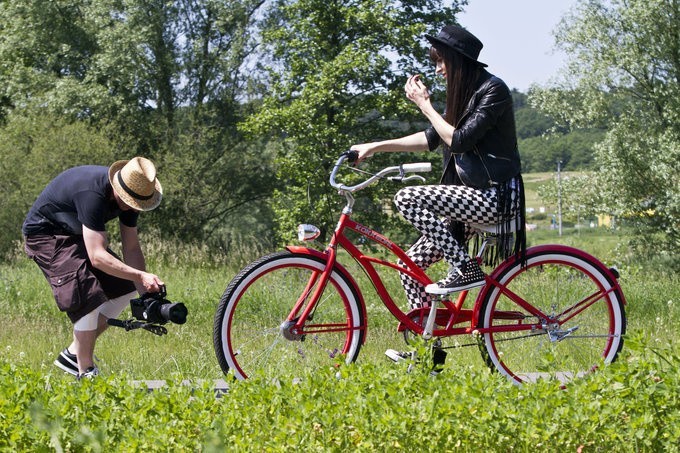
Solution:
(430, 209)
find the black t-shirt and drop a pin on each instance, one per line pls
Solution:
(78, 196)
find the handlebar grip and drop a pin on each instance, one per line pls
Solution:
(418, 167)
(115, 322)
(352, 155)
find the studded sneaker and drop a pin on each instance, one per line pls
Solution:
(90, 373)
(470, 276)
(398, 356)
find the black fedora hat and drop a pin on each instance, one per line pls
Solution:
(460, 40)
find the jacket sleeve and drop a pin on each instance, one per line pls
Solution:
(433, 138)
(492, 100)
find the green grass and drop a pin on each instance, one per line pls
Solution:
(34, 331)
(631, 405)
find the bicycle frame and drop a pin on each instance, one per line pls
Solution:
(451, 314)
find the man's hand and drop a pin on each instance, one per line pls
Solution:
(152, 283)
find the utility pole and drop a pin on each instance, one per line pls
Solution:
(559, 198)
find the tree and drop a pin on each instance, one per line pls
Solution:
(128, 61)
(34, 150)
(578, 196)
(336, 73)
(575, 149)
(163, 79)
(624, 75)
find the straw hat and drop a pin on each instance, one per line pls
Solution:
(135, 183)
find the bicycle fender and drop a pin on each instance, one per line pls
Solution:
(557, 248)
(338, 267)
(567, 250)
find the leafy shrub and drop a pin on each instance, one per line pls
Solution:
(34, 150)
(631, 405)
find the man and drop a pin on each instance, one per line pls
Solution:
(65, 232)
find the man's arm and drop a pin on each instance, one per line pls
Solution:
(96, 243)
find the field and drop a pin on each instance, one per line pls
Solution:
(373, 404)
(34, 331)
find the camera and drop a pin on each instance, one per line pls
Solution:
(151, 311)
(156, 309)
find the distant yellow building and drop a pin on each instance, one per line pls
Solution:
(604, 220)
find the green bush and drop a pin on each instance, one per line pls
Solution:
(34, 150)
(631, 405)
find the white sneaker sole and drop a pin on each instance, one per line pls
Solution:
(395, 355)
(64, 368)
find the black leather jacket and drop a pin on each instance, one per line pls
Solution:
(484, 145)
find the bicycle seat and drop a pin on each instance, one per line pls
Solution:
(494, 228)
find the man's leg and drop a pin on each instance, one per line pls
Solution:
(85, 333)
(87, 330)
(83, 343)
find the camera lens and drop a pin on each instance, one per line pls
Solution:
(176, 313)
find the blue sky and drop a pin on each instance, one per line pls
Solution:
(517, 37)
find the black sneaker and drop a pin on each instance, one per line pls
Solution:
(458, 280)
(67, 362)
(90, 373)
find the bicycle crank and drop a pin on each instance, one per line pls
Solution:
(559, 335)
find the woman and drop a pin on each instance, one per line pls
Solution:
(481, 182)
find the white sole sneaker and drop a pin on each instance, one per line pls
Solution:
(397, 356)
(434, 288)
(67, 362)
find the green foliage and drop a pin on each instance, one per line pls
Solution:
(159, 79)
(332, 83)
(575, 149)
(623, 75)
(542, 142)
(579, 192)
(216, 188)
(372, 405)
(35, 149)
(632, 404)
(133, 62)
(530, 122)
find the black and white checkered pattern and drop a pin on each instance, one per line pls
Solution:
(430, 209)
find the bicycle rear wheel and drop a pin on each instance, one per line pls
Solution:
(583, 326)
(251, 334)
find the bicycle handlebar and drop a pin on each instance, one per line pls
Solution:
(351, 156)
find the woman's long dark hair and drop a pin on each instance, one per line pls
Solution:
(461, 77)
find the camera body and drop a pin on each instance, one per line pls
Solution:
(154, 308)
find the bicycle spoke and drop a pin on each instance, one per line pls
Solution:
(583, 326)
(252, 335)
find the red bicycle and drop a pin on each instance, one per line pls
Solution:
(560, 316)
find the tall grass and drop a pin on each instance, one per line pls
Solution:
(34, 331)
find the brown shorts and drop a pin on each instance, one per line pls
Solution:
(77, 286)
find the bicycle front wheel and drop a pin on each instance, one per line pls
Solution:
(252, 334)
(583, 324)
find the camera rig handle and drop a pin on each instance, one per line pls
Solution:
(131, 324)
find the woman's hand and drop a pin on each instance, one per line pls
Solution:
(416, 91)
(365, 151)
